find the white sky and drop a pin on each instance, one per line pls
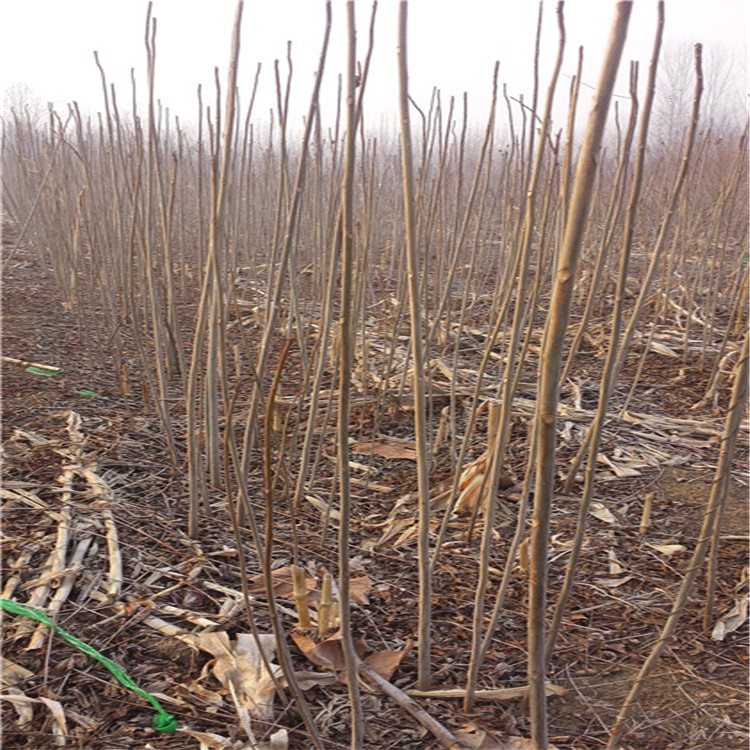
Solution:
(48, 45)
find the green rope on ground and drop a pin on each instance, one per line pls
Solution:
(162, 722)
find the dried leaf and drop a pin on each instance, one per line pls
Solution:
(22, 703)
(615, 567)
(387, 449)
(359, 588)
(394, 528)
(60, 726)
(326, 654)
(194, 690)
(599, 511)
(732, 620)
(307, 680)
(385, 663)
(362, 467)
(241, 668)
(407, 537)
(520, 743)
(14, 674)
(744, 577)
(471, 470)
(612, 583)
(323, 507)
(663, 349)
(620, 469)
(279, 740)
(282, 583)
(375, 486)
(208, 740)
(470, 495)
(36, 439)
(668, 549)
(479, 739)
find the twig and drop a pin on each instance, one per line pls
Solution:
(25, 363)
(54, 566)
(443, 736)
(496, 694)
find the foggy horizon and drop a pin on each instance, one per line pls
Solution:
(453, 53)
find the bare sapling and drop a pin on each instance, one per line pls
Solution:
(346, 346)
(415, 314)
(269, 482)
(548, 395)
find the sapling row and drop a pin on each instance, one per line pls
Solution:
(271, 292)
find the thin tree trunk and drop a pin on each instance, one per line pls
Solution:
(346, 346)
(547, 399)
(420, 419)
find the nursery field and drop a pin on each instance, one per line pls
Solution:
(316, 437)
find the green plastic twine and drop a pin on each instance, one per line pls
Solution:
(42, 371)
(162, 722)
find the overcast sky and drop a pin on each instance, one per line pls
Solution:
(48, 45)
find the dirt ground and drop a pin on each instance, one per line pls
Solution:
(697, 700)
